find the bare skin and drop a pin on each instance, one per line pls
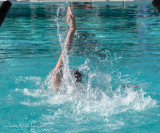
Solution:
(67, 46)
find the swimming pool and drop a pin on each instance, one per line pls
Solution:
(116, 47)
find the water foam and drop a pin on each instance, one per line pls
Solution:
(87, 97)
(85, 103)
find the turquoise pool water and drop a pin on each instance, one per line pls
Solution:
(116, 47)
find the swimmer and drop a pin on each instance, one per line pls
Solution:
(67, 46)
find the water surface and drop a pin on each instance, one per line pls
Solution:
(116, 47)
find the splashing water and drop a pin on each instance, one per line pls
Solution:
(92, 95)
(95, 99)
